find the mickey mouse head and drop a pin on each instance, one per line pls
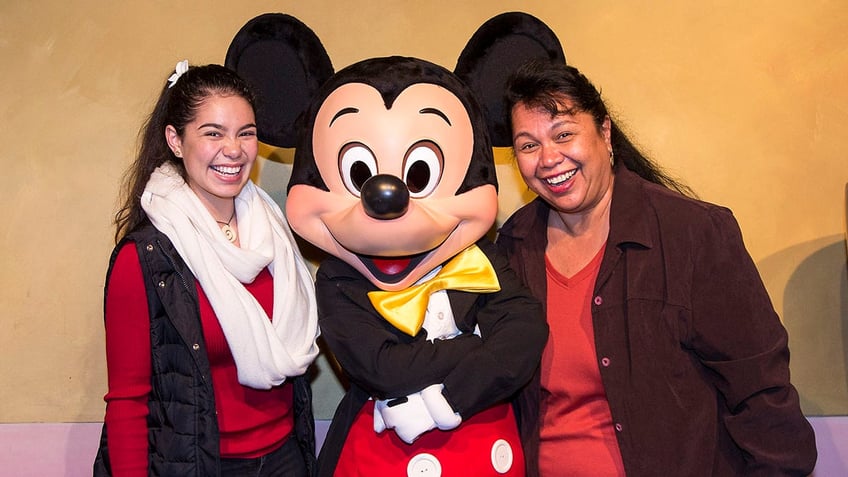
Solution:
(393, 171)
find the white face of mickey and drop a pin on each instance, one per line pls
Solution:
(425, 143)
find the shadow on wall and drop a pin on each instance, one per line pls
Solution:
(813, 277)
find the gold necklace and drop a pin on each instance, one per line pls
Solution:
(229, 232)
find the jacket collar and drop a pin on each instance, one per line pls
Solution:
(630, 217)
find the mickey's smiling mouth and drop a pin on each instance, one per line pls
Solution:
(392, 269)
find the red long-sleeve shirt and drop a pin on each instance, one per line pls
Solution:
(251, 422)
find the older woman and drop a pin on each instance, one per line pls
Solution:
(666, 356)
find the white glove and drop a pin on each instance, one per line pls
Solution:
(408, 416)
(441, 412)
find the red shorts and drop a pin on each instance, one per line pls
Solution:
(487, 444)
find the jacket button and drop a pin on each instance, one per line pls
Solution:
(618, 426)
(150, 247)
(605, 361)
(162, 284)
(195, 346)
(598, 300)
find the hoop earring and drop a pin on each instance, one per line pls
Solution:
(612, 159)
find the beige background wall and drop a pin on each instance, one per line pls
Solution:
(746, 101)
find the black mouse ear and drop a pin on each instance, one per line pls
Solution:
(285, 63)
(496, 49)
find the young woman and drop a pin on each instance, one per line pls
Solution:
(210, 310)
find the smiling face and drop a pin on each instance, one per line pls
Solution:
(422, 144)
(218, 149)
(565, 159)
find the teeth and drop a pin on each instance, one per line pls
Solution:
(227, 170)
(556, 180)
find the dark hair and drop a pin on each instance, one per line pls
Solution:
(177, 106)
(545, 84)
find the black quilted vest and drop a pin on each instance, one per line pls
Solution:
(182, 426)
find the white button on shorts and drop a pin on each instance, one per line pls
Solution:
(501, 456)
(424, 465)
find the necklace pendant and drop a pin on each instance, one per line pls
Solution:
(229, 233)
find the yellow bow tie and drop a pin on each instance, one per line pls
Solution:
(469, 271)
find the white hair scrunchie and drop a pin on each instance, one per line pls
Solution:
(180, 69)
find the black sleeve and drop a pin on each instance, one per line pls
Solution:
(514, 333)
(380, 359)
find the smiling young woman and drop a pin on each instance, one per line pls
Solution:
(210, 310)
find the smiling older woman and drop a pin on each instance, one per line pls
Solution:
(666, 356)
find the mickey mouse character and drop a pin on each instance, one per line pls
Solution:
(394, 177)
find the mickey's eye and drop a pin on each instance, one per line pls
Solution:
(422, 168)
(356, 165)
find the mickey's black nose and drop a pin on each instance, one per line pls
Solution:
(384, 197)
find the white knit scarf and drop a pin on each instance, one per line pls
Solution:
(265, 351)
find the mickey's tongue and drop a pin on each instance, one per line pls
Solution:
(391, 266)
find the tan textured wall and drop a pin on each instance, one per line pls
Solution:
(745, 102)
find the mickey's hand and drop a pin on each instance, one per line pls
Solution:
(408, 416)
(438, 407)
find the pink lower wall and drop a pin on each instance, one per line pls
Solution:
(58, 449)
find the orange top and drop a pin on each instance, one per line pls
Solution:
(577, 435)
